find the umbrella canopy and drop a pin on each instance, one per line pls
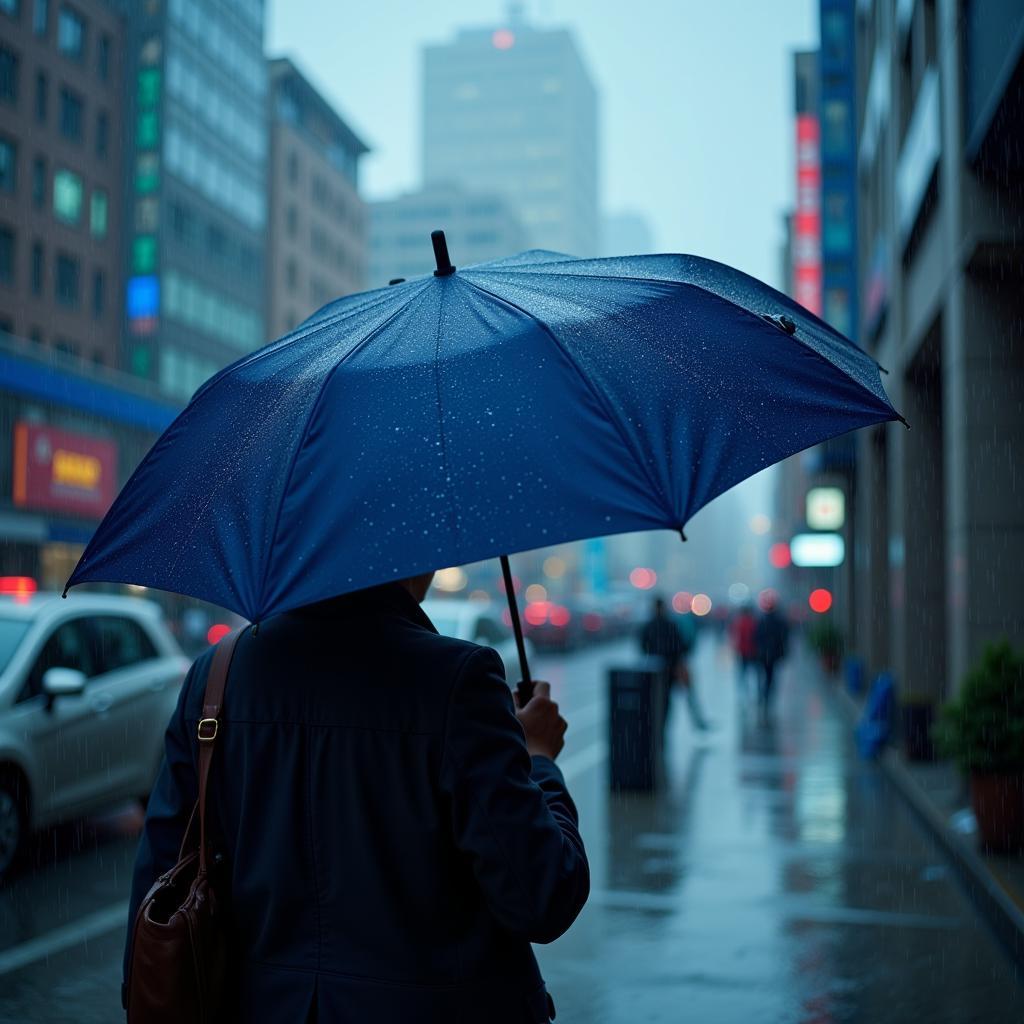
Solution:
(507, 406)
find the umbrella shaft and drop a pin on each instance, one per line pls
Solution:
(525, 688)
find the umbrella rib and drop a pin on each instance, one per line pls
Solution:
(365, 340)
(598, 395)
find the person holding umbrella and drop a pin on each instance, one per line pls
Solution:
(393, 833)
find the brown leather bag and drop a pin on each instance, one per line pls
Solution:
(178, 962)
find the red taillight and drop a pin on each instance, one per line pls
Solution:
(592, 622)
(536, 613)
(559, 615)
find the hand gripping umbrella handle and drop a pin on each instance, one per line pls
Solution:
(524, 689)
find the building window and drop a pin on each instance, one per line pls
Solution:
(67, 196)
(291, 274)
(144, 254)
(293, 167)
(103, 57)
(40, 17)
(39, 182)
(292, 220)
(42, 97)
(6, 255)
(102, 134)
(71, 33)
(70, 115)
(8, 75)
(8, 165)
(38, 267)
(11, 7)
(837, 128)
(147, 173)
(66, 289)
(98, 212)
(99, 288)
(147, 215)
(147, 131)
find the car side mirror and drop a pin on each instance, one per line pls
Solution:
(62, 682)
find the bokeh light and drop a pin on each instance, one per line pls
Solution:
(820, 600)
(738, 593)
(450, 580)
(701, 604)
(778, 555)
(682, 602)
(643, 579)
(760, 524)
(217, 632)
(536, 592)
(554, 567)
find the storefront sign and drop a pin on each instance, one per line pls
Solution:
(60, 471)
(826, 508)
(807, 217)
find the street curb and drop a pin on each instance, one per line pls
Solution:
(1003, 915)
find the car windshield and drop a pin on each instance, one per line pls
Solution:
(11, 632)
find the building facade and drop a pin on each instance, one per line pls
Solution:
(318, 224)
(513, 110)
(61, 177)
(478, 226)
(195, 189)
(940, 523)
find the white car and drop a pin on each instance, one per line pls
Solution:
(87, 686)
(482, 623)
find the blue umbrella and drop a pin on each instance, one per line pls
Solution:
(503, 407)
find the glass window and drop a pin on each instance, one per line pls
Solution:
(38, 267)
(103, 57)
(6, 254)
(836, 36)
(11, 633)
(68, 647)
(67, 196)
(39, 182)
(71, 115)
(42, 96)
(40, 17)
(149, 86)
(8, 165)
(836, 129)
(144, 255)
(11, 7)
(147, 172)
(71, 33)
(8, 75)
(99, 288)
(147, 215)
(147, 130)
(67, 280)
(98, 212)
(102, 134)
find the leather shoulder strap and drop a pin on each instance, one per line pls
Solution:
(209, 724)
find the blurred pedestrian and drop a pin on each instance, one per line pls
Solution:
(661, 638)
(392, 831)
(772, 639)
(743, 635)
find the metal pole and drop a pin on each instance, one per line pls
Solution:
(525, 688)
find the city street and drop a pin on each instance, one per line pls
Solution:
(778, 878)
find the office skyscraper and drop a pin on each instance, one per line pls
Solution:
(196, 196)
(512, 110)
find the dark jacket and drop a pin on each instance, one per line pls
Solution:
(661, 638)
(390, 851)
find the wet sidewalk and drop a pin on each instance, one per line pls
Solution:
(776, 878)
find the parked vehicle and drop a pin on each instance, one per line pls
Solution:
(482, 623)
(87, 686)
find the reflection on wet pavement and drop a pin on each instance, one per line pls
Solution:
(776, 878)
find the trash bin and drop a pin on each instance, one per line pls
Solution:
(636, 725)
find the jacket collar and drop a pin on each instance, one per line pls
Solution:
(387, 599)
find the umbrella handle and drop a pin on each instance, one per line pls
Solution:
(524, 689)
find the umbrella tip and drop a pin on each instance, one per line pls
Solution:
(682, 533)
(444, 263)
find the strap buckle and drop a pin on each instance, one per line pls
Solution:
(211, 734)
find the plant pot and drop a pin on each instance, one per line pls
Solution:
(998, 802)
(917, 731)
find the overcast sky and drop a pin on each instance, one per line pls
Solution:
(695, 101)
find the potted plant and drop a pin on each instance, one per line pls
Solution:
(983, 729)
(917, 716)
(825, 639)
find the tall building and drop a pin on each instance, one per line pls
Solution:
(513, 110)
(940, 522)
(61, 90)
(317, 222)
(196, 196)
(478, 226)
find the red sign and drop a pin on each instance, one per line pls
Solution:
(63, 472)
(807, 218)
